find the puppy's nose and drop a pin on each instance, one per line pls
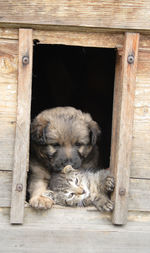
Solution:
(68, 162)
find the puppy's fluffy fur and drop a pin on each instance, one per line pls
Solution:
(59, 137)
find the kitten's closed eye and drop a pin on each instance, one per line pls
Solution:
(76, 181)
(71, 195)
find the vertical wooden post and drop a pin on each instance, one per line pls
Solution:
(21, 151)
(123, 112)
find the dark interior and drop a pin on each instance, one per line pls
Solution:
(82, 77)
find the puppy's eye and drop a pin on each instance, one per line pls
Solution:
(78, 144)
(56, 145)
(49, 156)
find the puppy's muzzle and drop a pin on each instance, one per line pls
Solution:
(63, 159)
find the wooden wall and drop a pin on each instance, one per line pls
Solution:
(67, 22)
(65, 230)
(8, 93)
(113, 14)
(140, 164)
(140, 160)
(140, 172)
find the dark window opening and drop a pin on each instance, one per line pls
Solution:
(81, 77)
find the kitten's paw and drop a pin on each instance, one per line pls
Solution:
(41, 202)
(109, 184)
(104, 204)
(108, 206)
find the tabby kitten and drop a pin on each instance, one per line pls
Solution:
(76, 188)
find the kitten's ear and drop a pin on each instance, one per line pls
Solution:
(67, 169)
(93, 127)
(38, 130)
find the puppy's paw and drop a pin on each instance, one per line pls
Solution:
(49, 194)
(41, 202)
(109, 184)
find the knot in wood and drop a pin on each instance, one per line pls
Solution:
(130, 58)
(122, 191)
(25, 60)
(19, 187)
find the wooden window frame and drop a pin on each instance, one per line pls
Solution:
(21, 149)
(123, 111)
(122, 125)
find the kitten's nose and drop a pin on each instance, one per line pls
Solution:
(80, 190)
(84, 191)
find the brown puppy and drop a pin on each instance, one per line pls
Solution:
(59, 137)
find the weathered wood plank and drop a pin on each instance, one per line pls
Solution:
(89, 39)
(139, 195)
(116, 105)
(67, 35)
(8, 87)
(84, 218)
(6, 33)
(37, 240)
(7, 137)
(5, 188)
(69, 230)
(74, 36)
(122, 127)
(21, 152)
(140, 149)
(139, 199)
(140, 159)
(131, 14)
(144, 41)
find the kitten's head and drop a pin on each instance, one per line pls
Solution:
(75, 192)
(68, 186)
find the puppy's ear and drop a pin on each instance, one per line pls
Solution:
(38, 131)
(93, 127)
(94, 131)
